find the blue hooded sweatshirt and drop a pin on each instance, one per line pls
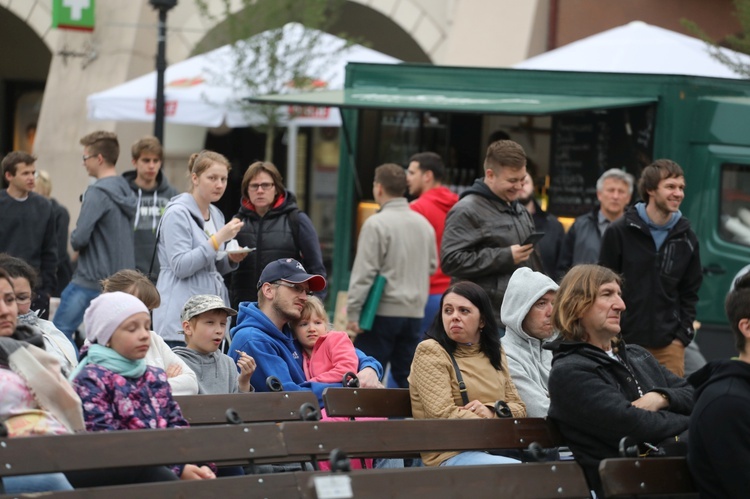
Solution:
(276, 353)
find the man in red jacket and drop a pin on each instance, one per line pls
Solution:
(424, 178)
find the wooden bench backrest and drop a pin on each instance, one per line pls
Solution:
(101, 450)
(268, 486)
(629, 477)
(252, 407)
(520, 481)
(367, 402)
(392, 437)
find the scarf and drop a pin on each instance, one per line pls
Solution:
(109, 359)
(24, 354)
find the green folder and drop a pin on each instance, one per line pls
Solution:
(370, 308)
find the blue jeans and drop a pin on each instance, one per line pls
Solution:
(430, 311)
(47, 482)
(473, 457)
(74, 301)
(392, 340)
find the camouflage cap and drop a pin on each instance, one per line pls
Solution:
(198, 304)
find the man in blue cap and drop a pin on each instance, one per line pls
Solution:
(263, 331)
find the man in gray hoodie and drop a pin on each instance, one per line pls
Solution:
(103, 236)
(153, 192)
(527, 313)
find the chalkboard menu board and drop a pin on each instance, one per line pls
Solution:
(586, 144)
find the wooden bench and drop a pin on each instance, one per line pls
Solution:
(201, 410)
(122, 449)
(633, 477)
(396, 438)
(367, 402)
(520, 481)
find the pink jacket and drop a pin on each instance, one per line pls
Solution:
(333, 356)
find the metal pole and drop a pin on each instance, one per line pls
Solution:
(161, 66)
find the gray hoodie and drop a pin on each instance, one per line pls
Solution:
(528, 362)
(216, 371)
(189, 264)
(151, 205)
(104, 231)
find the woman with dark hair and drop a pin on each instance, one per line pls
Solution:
(463, 344)
(35, 399)
(275, 227)
(602, 390)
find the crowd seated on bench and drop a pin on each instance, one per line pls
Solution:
(600, 390)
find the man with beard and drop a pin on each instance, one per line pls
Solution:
(263, 331)
(527, 312)
(424, 178)
(654, 249)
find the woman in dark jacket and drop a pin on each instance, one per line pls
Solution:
(275, 227)
(602, 390)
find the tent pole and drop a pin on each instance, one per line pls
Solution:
(291, 157)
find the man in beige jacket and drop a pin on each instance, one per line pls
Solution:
(398, 244)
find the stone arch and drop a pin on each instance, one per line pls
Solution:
(37, 15)
(409, 31)
(25, 59)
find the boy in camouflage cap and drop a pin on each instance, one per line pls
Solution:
(204, 320)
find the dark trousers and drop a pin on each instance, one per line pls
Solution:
(392, 340)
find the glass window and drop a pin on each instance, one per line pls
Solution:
(735, 203)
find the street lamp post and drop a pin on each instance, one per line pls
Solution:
(161, 64)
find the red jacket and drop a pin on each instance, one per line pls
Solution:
(434, 206)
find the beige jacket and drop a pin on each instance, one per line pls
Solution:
(399, 244)
(434, 387)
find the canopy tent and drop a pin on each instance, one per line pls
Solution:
(637, 47)
(447, 101)
(199, 90)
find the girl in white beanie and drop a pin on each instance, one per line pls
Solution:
(120, 392)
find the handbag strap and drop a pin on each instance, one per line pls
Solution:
(461, 384)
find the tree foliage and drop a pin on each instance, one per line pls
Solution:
(265, 58)
(739, 42)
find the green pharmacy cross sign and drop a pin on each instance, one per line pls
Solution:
(73, 14)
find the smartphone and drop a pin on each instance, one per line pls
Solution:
(533, 238)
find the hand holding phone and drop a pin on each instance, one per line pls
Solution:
(533, 238)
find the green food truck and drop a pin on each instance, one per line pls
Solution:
(574, 126)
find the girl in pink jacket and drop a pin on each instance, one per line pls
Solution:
(327, 355)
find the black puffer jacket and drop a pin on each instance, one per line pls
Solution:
(660, 288)
(273, 237)
(479, 231)
(591, 395)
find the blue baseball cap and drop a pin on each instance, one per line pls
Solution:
(290, 270)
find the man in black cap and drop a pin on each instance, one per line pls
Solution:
(263, 332)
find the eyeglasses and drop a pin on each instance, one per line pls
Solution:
(295, 287)
(265, 186)
(84, 157)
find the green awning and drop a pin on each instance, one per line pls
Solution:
(451, 101)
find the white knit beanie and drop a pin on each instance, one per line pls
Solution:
(106, 312)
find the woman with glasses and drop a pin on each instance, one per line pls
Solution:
(191, 241)
(24, 279)
(36, 399)
(275, 227)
